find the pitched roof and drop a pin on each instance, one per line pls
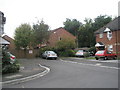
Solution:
(113, 25)
(61, 28)
(3, 41)
(56, 29)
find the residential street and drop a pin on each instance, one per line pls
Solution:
(75, 73)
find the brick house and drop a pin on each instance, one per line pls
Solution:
(11, 46)
(108, 37)
(19, 53)
(59, 34)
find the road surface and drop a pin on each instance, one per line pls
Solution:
(75, 73)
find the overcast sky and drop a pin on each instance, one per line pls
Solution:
(53, 12)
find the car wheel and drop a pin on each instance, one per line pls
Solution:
(115, 58)
(47, 58)
(105, 58)
(43, 58)
(96, 58)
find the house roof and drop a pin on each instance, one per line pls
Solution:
(3, 41)
(4, 36)
(56, 29)
(61, 28)
(99, 44)
(113, 25)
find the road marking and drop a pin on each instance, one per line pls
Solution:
(98, 65)
(29, 77)
(14, 76)
(23, 86)
(110, 61)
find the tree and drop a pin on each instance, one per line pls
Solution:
(23, 35)
(100, 21)
(72, 26)
(85, 34)
(86, 37)
(41, 32)
(65, 44)
(65, 47)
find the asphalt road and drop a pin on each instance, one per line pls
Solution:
(75, 73)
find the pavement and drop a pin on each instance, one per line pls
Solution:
(29, 69)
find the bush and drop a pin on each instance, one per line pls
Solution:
(67, 53)
(7, 67)
(65, 44)
(92, 49)
(86, 55)
(10, 68)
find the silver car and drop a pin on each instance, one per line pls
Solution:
(49, 54)
(81, 53)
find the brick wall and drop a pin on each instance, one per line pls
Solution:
(59, 34)
(115, 40)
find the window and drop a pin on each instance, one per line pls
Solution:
(109, 35)
(100, 52)
(60, 38)
(101, 35)
(110, 48)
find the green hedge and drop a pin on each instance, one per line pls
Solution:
(10, 68)
(66, 53)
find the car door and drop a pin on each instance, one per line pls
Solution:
(109, 55)
(44, 54)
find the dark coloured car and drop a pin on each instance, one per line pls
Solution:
(104, 54)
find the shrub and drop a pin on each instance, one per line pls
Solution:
(66, 53)
(65, 44)
(86, 55)
(7, 67)
(92, 49)
(10, 68)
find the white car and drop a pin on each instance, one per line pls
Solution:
(49, 54)
(81, 53)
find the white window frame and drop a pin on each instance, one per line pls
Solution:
(101, 35)
(110, 48)
(109, 35)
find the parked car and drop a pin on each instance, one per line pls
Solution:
(49, 54)
(104, 54)
(8, 57)
(82, 53)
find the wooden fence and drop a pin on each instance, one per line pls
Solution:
(25, 54)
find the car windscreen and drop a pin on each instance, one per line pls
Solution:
(99, 52)
(80, 51)
(51, 52)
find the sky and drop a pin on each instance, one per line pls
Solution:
(53, 12)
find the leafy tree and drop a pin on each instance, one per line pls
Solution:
(86, 37)
(23, 35)
(72, 26)
(41, 33)
(65, 44)
(100, 21)
(85, 34)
